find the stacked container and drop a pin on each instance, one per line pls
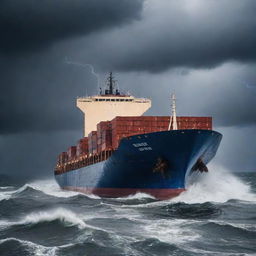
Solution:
(62, 158)
(128, 126)
(186, 122)
(92, 142)
(109, 133)
(104, 135)
(82, 147)
(71, 152)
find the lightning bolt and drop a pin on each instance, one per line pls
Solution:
(85, 65)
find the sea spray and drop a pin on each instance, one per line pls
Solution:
(217, 185)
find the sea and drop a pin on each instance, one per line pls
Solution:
(215, 216)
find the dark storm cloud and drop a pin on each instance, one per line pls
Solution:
(39, 88)
(39, 94)
(29, 24)
(193, 34)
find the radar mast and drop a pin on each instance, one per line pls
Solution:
(111, 86)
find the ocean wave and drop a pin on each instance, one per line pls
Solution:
(14, 246)
(217, 185)
(186, 211)
(9, 194)
(48, 187)
(172, 231)
(226, 229)
(237, 226)
(153, 246)
(216, 252)
(65, 216)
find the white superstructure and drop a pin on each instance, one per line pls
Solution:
(107, 106)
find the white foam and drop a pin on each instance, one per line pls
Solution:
(218, 185)
(8, 194)
(61, 214)
(7, 187)
(36, 249)
(5, 195)
(68, 217)
(170, 231)
(138, 195)
(50, 187)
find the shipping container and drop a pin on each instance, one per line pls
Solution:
(71, 152)
(104, 136)
(62, 158)
(82, 147)
(109, 133)
(92, 142)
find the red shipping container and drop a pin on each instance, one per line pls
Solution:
(71, 152)
(64, 157)
(92, 142)
(82, 147)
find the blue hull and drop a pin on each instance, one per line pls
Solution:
(132, 167)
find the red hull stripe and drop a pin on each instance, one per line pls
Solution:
(161, 194)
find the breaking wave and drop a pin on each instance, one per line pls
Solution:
(16, 246)
(48, 187)
(218, 185)
(65, 216)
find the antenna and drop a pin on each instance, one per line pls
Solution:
(110, 83)
(111, 88)
(173, 118)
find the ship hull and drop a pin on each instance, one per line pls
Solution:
(155, 163)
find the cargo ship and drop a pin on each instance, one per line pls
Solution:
(123, 152)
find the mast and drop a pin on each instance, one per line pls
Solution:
(173, 119)
(110, 83)
(111, 86)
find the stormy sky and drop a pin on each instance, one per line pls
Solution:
(203, 50)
